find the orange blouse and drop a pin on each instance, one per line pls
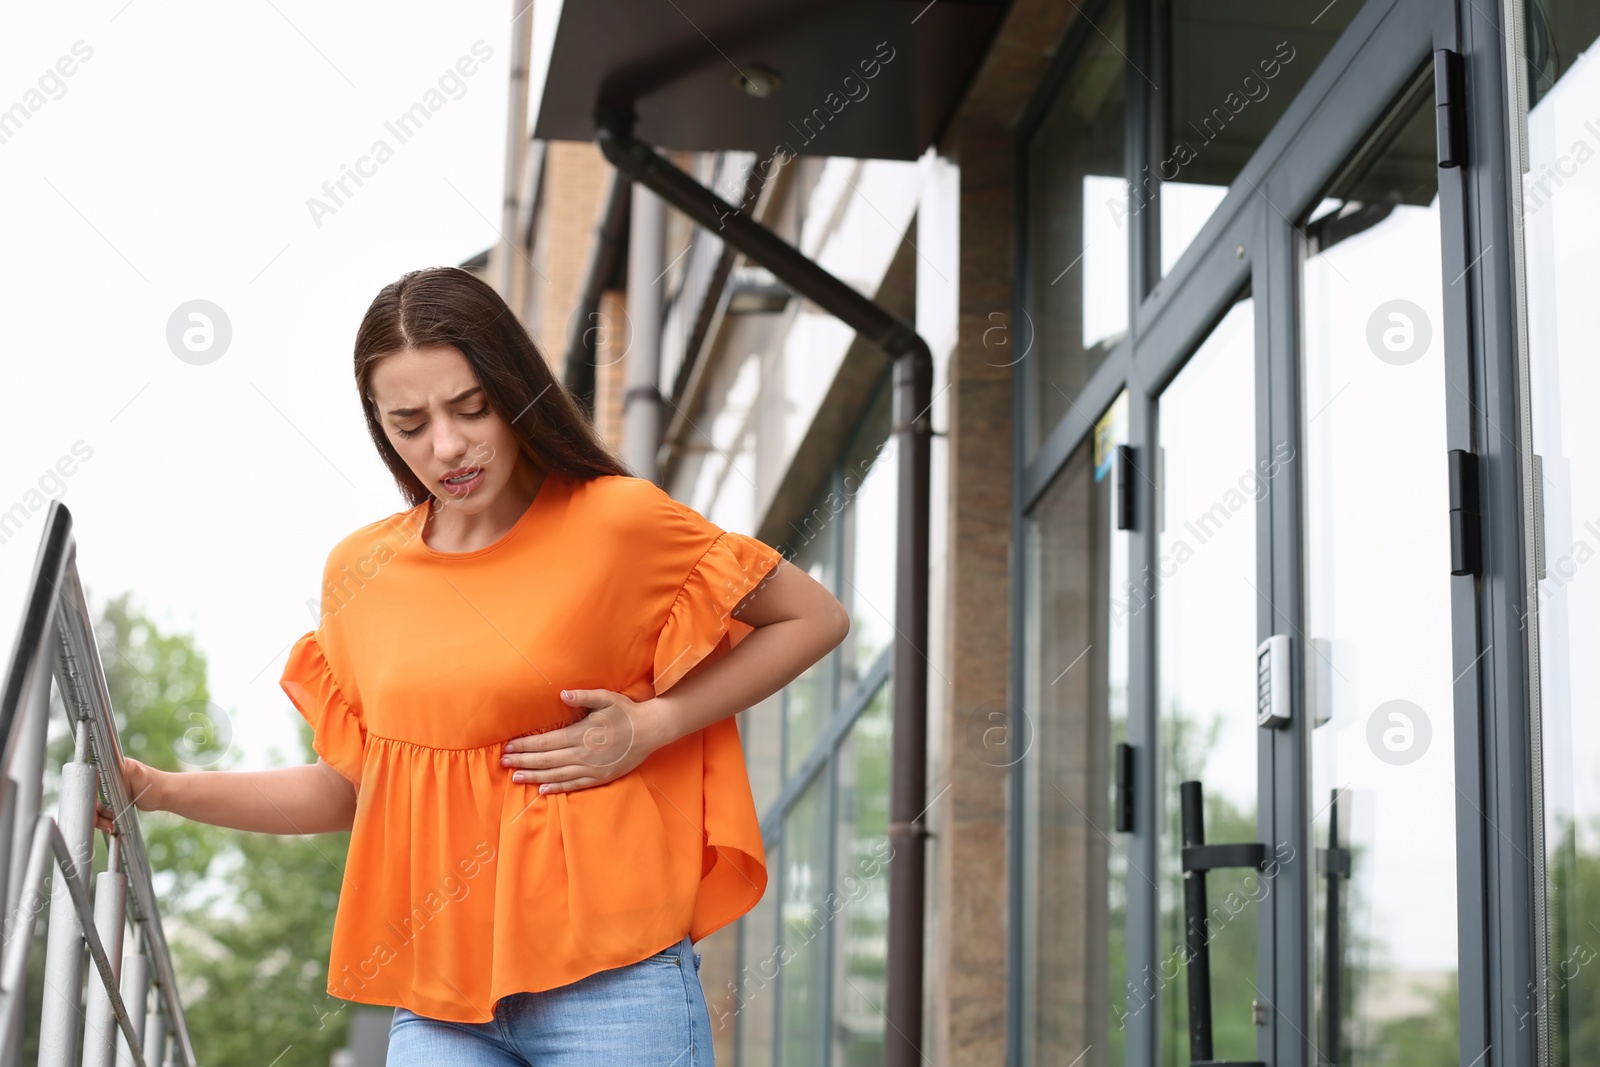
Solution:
(462, 886)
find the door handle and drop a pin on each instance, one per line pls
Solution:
(1198, 858)
(1333, 863)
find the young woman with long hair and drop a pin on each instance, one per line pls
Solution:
(521, 690)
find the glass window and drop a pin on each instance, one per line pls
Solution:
(1232, 70)
(861, 927)
(807, 700)
(761, 729)
(869, 482)
(1209, 485)
(802, 979)
(1074, 863)
(1560, 207)
(756, 988)
(813, 966)
(1378, 656)
(1076, 303)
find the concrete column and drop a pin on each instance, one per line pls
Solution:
(970, 820)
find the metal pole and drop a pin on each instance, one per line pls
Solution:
(136, 995)
(64, 949)
(516, 142)
(641, 402)
(63, 1011)
(155, 1032)
(27, 771)
(110, 911)
(908, 778)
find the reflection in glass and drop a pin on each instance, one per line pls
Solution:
(1076, 305)
(804, 918)
(761, 730)
(868, 488)
(1560, 230)
(1209, 486)
(1232, 70)
(755, 994)
(1075, 868)
(861, 927)
(1378, 625)
(807, 701)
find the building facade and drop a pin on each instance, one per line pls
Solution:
(1260, 707)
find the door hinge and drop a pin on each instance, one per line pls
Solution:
(1124, 487)
(1124, 770)
(1466, 544)
(1450, 107)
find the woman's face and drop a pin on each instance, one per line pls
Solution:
(439, 420)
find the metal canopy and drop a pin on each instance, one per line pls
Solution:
(866, 78)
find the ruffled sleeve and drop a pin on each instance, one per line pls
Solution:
(337, 731)
(699, 622)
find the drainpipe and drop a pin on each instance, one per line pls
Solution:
(604, 252)
(516, 142)
(641, 399)
(913, 386)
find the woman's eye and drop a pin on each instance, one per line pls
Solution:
(480, 413)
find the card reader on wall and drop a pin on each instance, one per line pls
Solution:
(1272, 682)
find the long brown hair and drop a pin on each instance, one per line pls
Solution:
(451, 306)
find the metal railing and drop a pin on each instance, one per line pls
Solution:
(131, 1013)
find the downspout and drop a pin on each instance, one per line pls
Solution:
(641, 397)
(604, 253)
(516, 144)
(913, 386)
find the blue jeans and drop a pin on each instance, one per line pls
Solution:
(648, 1014)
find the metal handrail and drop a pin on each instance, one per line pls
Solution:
(133, 1015)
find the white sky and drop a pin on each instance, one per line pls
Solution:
(175, 166)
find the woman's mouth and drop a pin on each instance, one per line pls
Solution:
(463, 483)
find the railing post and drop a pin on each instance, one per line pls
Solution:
(155, 1031)
(64, 949)
(136, 995)
(110, 910)
(27, 775)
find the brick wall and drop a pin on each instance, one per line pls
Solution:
(575, 176)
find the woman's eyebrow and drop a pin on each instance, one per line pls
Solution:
(403, 412)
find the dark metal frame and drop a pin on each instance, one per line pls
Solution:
(1251, 240)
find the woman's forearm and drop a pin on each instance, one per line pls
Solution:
(309, 799)
(766, 660)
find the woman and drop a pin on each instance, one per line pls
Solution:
(521, 692)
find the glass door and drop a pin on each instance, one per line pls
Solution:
(1377, 603)
(1283, 865)
(1559, 199)
(1207, 490)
